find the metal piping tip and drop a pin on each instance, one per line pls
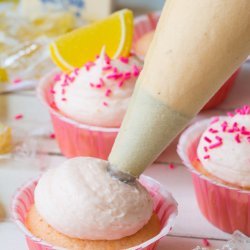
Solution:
(121, 176)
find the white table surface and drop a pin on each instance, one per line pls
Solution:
(190, 228)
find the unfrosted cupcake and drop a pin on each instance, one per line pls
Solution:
(87, 106)
(217, 151)
(79, 205)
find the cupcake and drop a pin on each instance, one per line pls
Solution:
(144, 30)
(87, 105)
(79, 205)
(217, 152)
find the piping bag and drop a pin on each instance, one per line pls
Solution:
(198, 44)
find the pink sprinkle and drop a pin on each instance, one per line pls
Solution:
(102, 82)
(244, 131)
(99, 86)
(64, 99)
(224, 126)
(115, 76)
(63, 91)
(52, 136)
(52, 91)
(124, 60)
(57, 77)
(230, 114)
(120, 84)
(71, 79)
(108, 92)
(235, 126)
(215, 119)
(107, 59)
(115, 70)
(237, 138)
(218, 138)
(213, 131)
(88, 65)
(18, 116)
(171, 166)
(136, 70)
(205, 243)
(92, 85)
(207, 139)
(97, 57)
(206, 157)
(205, 149)
(107, 67)
(127, 76)
(248, 138)
(105, 104)
(17, 80)
(246, 109)
(76, 71)
(215, 145)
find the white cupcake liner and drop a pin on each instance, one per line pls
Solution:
(164, 206)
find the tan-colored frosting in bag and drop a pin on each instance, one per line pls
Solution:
(197, 45)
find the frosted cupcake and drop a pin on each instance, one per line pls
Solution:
(80, 206)
(217, 152)
(87, 106)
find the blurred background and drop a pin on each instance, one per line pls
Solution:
(28, 26)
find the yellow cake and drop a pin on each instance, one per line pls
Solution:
(42, 230)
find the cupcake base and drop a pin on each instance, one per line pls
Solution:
(42, 230)
(223, 205)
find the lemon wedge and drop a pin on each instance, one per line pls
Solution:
(76, 48)
(5, 139)
(3, 75)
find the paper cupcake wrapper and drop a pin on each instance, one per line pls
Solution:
(144, 24)
(222, 93)
(164, 206)
(226, 207)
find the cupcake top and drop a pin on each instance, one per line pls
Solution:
(99, 92)
(82, 200)
(224, 148)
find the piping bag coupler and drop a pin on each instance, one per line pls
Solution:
(198, 44)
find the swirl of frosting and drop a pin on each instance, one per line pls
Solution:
(224, 148)
(81, 200)
(98, 93)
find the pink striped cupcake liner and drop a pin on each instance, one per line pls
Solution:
(144, 24)
(165, 207)
(226, 207)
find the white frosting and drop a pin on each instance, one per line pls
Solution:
(90, 105)
(231, 160)
(80, 199)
